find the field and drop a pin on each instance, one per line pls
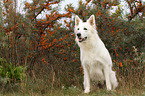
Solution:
(43, 87)
(75, 91)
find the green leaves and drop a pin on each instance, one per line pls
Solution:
(10, 73)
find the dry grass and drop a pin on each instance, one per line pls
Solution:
(49, 84)
(73, 91)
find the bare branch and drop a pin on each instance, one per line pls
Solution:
(44, 7)
(131, 8)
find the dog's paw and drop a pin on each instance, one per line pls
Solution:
(115, 85)
(108, 85)
(87, 91)
(108, 88)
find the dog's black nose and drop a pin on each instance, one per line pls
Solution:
(78, 34)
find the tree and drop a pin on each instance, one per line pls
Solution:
(28, 32)
(136, 7)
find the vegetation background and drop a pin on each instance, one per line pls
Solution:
(39, 56)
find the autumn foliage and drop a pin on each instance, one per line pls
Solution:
(47, 46)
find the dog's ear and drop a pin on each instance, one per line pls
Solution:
(91, 21)
(77, 20)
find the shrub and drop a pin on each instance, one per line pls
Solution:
(10, 73)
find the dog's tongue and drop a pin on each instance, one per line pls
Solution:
(80, 39)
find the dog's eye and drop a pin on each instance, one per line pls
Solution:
(85, 29)
(78, 29)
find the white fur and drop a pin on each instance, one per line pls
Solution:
(95, 58)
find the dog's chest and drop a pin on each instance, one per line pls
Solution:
(95, 69)
(89, 55)
(92, 64)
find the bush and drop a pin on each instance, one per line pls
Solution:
(10, 73)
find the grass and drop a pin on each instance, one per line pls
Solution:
(50, 84)
(40, 84)
(40, 89)
(76, 92)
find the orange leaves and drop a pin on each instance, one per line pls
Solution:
(4, 1)
(4, 13)
(62, 46)
(43, 60)
(38, 22)
(110, 17)
(54, 41)
(116, 52)
(47, 16)
(58, 28)
(68, 25)
(80, 68)
(131, 1)
(87, 2)
(66, 15)
(49, 45)
(23, 40)
(50, 3)
(119, 47)
(119, 64)
(53, 32)
(126, 63)
(43, 20)
(99, 12)
(102, 29)
(27, 5)
(70, 10)
(75, 60)
(65, 59)
(41, 33)
(65, 21)
(48, 8)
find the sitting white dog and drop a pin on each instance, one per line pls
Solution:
(95, 58)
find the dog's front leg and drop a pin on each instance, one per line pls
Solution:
(107, 77)
(86, 81)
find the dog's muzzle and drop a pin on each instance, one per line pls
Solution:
(79, 37)
(82, 39)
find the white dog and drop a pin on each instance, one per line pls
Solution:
(95, 58)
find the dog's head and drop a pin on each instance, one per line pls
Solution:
(84, 30)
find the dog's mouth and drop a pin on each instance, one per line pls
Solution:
(82, 39)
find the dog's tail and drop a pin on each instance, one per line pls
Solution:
(113, 79)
